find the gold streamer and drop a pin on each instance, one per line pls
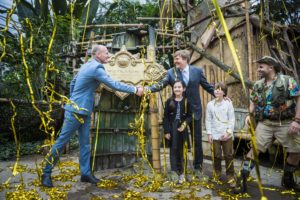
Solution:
(12, 121)
(165, 157)
(230, 42)
(96, 141)
(7, 21)
(29, 83)
(21, 194)
(31, 36)
(254, 147)
(185, 153)
(86, 20)
(107, 184)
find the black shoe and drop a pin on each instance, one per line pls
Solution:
(89, 179)
(288, 180)
(242, 182)
(46, 180)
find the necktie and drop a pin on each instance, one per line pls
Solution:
(179, 75)
(185, 77)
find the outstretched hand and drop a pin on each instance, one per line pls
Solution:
(168, 136)
(227, 99)
(140, 91)
(294, 128)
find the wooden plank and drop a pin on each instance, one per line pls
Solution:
(208, 34)
(204, 100)
(209, 15)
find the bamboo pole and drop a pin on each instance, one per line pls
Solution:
(155, 137)
(95, 41)
(112, 25)
(170, 47)
(249, 40)
(161, 30)
(90, 46)
(158, 18)
(169, 34)
(109, 35)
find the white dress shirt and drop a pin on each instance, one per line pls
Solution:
(219, 118)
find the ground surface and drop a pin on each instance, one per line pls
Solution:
(132, 182)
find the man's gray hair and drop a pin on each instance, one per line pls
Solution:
(97, 48)
(185, 54)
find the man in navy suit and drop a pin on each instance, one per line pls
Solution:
(78, 113)
(193, 78)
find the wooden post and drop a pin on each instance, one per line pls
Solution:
(249, 40)
(155, 136)
(86, 58)
(112, 26)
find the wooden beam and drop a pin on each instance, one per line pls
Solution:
(159, 18)
(223, 66)
(86, 58)
(169, 34)
(95, 41)
(209, 16)
(266, 28)
(249, 40)
(110, 35)
(291, 52)
(112, 26)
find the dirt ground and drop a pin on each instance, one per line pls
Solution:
(133, 182)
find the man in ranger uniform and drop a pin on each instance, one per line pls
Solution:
(275, 104)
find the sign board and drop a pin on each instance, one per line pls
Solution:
(130, 69)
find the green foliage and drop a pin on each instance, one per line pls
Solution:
(40, 23)
(125, 11)
(92, 8)
(37, 32)
(60, 7)
(284, 12)
(8, 149)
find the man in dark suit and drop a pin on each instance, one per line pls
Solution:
(193, 78)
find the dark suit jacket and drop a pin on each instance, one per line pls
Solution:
(170, 114)
(196, 78)
(171, 125)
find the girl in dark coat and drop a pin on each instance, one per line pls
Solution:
(177, 116)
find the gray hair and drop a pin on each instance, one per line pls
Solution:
(185, 54)
(97, 48)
